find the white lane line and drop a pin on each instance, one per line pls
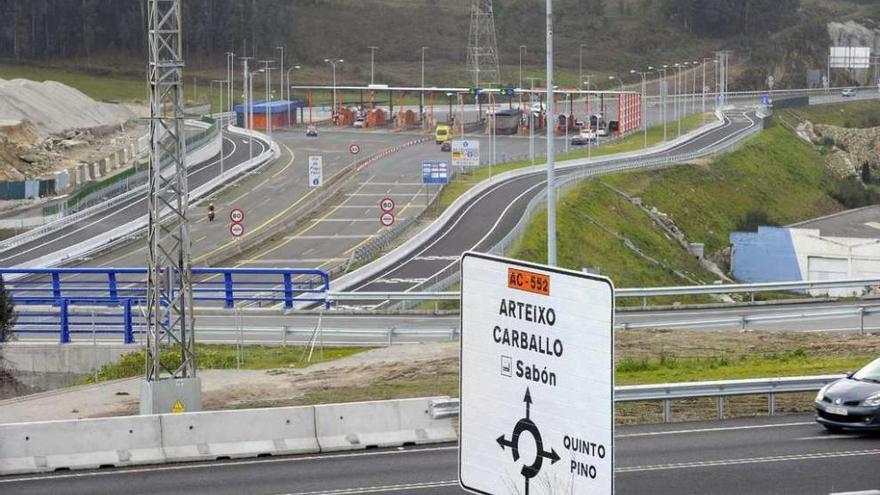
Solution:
(324, 237)
(375, 220)
(752, 460)
(220, 465)
(830, 437)
(711, 430)
(863, 492)
(380, 489)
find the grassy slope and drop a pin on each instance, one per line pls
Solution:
(851, 114)
(705, 201)
(774, 172)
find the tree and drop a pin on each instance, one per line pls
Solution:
(7, 313)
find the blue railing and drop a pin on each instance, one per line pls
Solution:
(56, 293)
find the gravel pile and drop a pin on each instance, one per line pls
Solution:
(54, 107)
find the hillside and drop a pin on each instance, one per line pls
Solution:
(782, 37)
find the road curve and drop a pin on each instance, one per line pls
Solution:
(485, 220)
(782, 455)
(235, 152)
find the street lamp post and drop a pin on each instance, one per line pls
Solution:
(295, 67)
(373, 63)
(676, 98)
(333, 63)
(221, 82)
(663, 90)
(581, 64)
(422, 93)
(644, 75)
(230, 79)
(523, 49)
(281, 70)
(614, 78)
(268, 70)
(551, 173)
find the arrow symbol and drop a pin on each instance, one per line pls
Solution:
(503, 442)
(552, 456)
(528, 400)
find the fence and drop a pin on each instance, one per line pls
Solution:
(53, 295)
(666, 392)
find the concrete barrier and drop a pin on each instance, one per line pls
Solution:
(79, 444)
(245, 433)
(360, 425)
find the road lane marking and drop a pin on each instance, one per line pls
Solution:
(323, 237)
(749, 460)
(220, 465)
(380, 489)
(711, 430)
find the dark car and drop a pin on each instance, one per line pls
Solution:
(446, 146)
(851, 403)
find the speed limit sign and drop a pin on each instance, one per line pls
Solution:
(354, 149)
(387, 205)
(236, 215)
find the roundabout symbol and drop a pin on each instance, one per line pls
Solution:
(524, 425)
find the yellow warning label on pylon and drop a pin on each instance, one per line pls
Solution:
(178, 407)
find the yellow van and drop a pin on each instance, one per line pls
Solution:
(443, 133)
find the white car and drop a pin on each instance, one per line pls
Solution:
(848, 93)
(358, 122)
(602, 132)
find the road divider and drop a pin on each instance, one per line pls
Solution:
(206, 436)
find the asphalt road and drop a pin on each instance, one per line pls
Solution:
(782, 455)
(487, 218)
(235, 151)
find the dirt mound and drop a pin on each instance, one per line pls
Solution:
(54, 107)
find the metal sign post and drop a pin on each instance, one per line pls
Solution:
(537, 379)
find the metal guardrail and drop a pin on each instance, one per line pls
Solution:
(715, 289)
(666, 392)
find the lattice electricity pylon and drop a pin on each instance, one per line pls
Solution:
(482, 56)
(169, 289)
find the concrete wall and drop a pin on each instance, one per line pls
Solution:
(776, 254)
(50, 366)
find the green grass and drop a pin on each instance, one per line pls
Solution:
(221, 357)
(775, 173)
(668, 369)
(593, 222)
(633, 142)
(858, 114)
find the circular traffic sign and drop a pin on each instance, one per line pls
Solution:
(387, 205)
(236, 215)
(387, 219)
(354, 149)
(236, 229)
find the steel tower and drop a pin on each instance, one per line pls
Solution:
(169, 313)
(482, 56)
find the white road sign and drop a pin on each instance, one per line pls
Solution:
(465, 153)
(236, 215)
(386, 205)
(236, 229)
(316, 171)
(537, 382)
(387, 219)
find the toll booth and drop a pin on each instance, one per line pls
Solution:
(282, 113)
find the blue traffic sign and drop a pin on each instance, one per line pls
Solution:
(435, 172)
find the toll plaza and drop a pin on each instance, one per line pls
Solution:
(512, 110)
(281, 113)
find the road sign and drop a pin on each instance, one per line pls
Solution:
(354, 149)
(770, 82)
(236, 229)
(316, 171)
(387, 219)
(236, 215)
(537, 385)
(387, 205)
(435, 172)
(465, 153)
(509, 91)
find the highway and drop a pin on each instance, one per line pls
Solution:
(780, 455)
(235, 151)
(487, 218)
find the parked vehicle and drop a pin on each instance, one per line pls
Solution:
(848, 93)
(311, 131)
(446, 146)
(851, 403)
(358, 123)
